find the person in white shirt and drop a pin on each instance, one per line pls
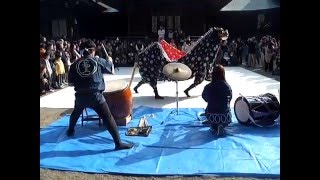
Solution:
(161, 33)
(44, 61)
(187, 45)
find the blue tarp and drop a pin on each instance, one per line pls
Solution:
(177, 145)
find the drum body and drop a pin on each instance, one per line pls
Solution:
(261, 110)
(119, 98)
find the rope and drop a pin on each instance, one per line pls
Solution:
(148, 47)
(224, 118)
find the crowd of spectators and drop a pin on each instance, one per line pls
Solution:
(56, 56)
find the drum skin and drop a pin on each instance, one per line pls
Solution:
(247, 122)
(120, 103)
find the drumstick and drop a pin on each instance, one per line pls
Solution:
(104, 49)
(132, 74)
(108, 57)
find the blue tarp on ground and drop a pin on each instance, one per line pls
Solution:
(177, 145)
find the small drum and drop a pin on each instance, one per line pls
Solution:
(262, 110)
(119, 98)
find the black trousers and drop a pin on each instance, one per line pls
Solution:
(268, 66)
(54, 80)
(102, 109)
(44, 86)
(239, 56)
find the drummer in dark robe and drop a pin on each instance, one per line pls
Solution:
(86, 75)
(218, 95)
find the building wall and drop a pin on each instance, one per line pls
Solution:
(245, 23)
(55, 20)
(103, 25)
(136, 19)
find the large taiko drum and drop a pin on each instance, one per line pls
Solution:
(119, 98)
(262, 110)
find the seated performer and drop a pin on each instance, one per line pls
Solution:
(86, 76)
(218, 95)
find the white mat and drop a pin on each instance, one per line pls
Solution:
(241, 81)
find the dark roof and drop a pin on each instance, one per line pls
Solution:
(251, 5)
(101, 5)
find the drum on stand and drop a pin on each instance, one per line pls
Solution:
(262, 110)
(119, 98)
